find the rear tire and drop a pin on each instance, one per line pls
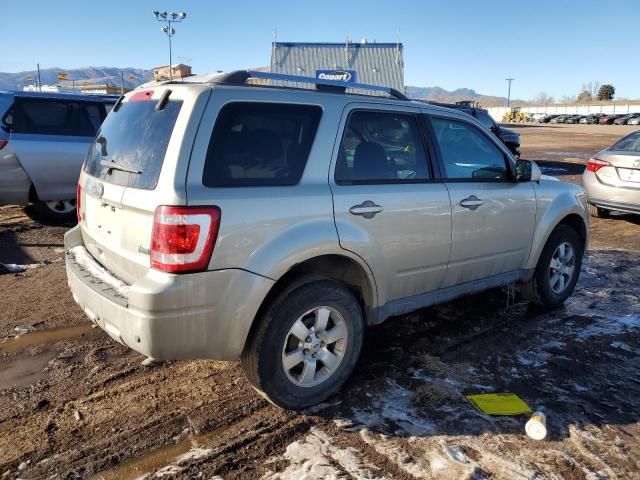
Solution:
(558, 268)
(306, 344)
(598, 212)
(57, 211)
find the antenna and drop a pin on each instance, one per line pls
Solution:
(273, 49)
(346, 52)
(398, 47)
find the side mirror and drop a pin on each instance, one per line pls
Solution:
(527, 171)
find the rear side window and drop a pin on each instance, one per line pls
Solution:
(260, 144)
(467, 153)
(56, 117)
(135, 137)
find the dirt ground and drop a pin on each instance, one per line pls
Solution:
(75, 404)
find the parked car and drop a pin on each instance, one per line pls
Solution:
(548, 118)
(612, 178)
(509, 137)
(608, 119)
(538, 116)
(635, 120)
(624, 119)
(573, 119)
(591, 118)
(217, 220)
(559, 119)
(44, 138)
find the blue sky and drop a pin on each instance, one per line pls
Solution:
(551, 46)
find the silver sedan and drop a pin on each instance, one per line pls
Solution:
(612, 178)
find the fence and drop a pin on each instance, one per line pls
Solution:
(498, 112)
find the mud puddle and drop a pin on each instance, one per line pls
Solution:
(44, 337)
(25, 371)
(140, 467)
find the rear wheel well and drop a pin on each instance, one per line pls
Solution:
(335, 267)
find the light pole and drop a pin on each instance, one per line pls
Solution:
(169, 18)
(509, 90)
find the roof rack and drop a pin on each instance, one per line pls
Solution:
(240, 77)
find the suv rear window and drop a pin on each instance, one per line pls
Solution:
(260, 144)
(135, 137)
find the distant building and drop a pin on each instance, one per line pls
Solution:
(102, 89)
(178, 70)
(49, 88)
(88, 89)
(372, 63)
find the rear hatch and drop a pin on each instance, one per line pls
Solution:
(137, 162)
(623, 158)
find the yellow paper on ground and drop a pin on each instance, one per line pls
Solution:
(499, 403)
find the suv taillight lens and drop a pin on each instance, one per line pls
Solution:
(183, 238)
(596, 164)
(78, 202)
(3, 143)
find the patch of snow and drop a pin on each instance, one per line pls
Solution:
(394, 409)
(533, 359)
(395, 453)
(456, 454)
(86, 261)
(579, 388)
(315, 456)
(622, 346)
(15, 268)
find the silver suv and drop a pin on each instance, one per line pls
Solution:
(226, 219)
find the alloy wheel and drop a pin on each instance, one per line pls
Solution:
(315, 346)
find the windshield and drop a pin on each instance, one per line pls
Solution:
(135, 138)
(630, 143)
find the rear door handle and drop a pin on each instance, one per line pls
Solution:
(471, 203)
(367, 209)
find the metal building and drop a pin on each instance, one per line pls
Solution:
(372, 63)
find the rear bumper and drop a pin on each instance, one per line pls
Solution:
(170, 317)
(610, 197)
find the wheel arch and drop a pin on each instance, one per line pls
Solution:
(332, 266)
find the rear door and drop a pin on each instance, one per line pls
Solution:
(137, 162)
(389, 208)
(493, 215)
(50, 137)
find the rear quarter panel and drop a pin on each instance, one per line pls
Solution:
(269, 230)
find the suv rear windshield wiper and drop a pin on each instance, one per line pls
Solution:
(111, 165)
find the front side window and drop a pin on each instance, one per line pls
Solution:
(381, 147)
(467, 153)
(260, 144)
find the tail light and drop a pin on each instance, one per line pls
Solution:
(596, 164)
(78, 202)
(3, 143)
(183, 238)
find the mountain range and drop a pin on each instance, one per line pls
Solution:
(135, 76)
(88, 75)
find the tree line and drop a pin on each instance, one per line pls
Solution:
(588, 93)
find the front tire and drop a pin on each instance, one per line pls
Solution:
(558, 268)
(306, 345)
